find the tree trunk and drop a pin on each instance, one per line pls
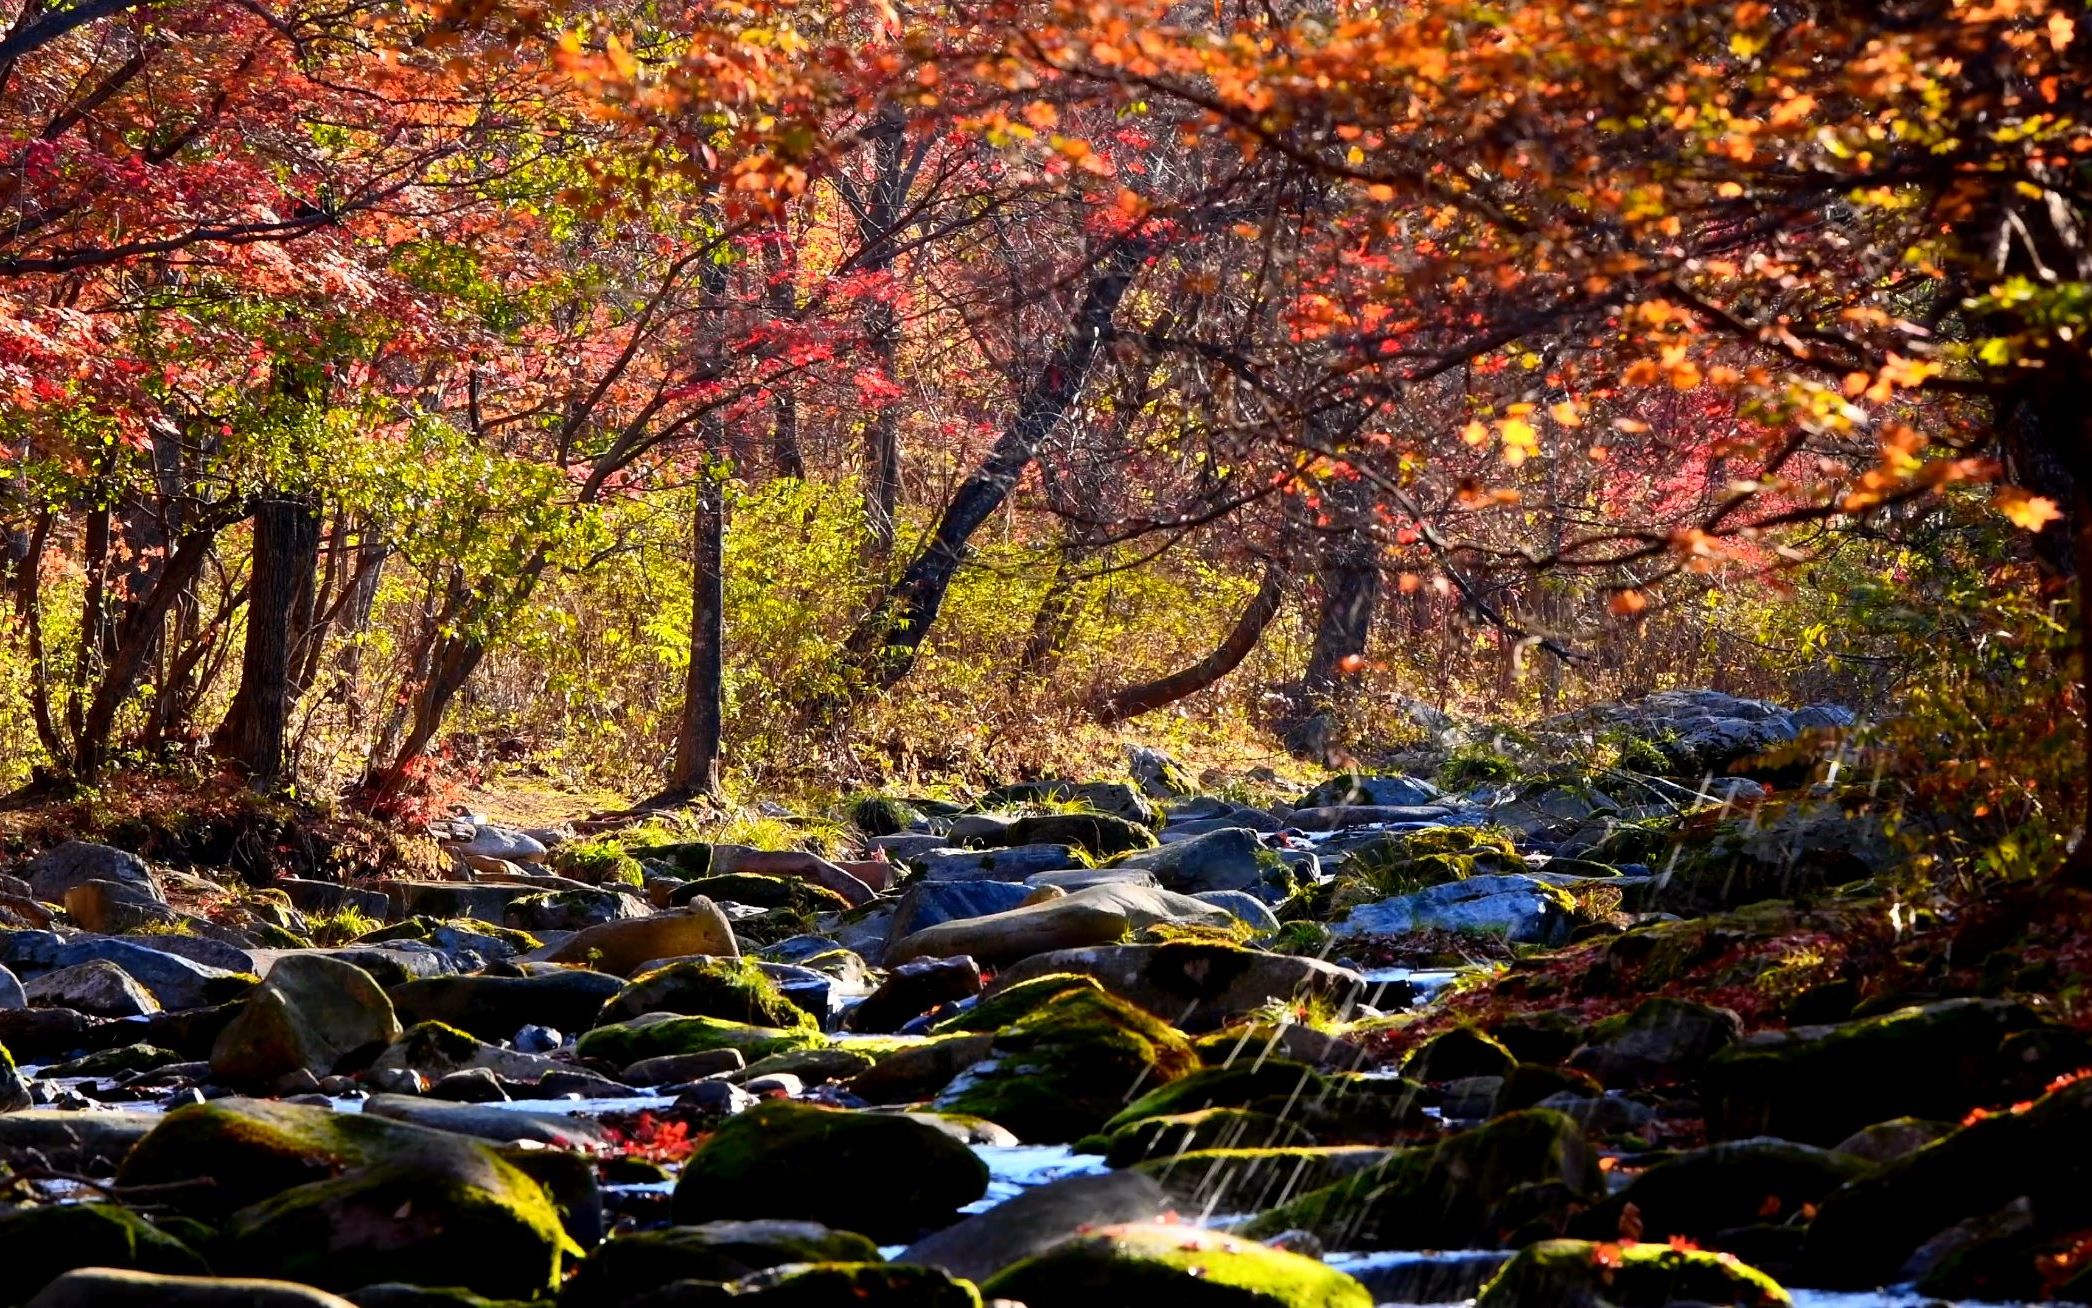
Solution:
(279, 611)
(695, 768)
(878, 217)
(131, 644)
(1225, 658)
(1348, 568)
(886, 641)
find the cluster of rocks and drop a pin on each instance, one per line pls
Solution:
(598, 1073)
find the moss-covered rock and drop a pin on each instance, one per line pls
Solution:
(1251, 1180)
(1463, 1051)
(734, 989)
(1097, 834)
(496, 1007)
(1865, 1231)
(802, 898)
(1208, 1128)
(1703, 1191)
(443, 1211)
(625, 1268)
(1819, 1085)
(116, 1062)
(342, 1200)
(1664, 1041)
(40, 1244)
(658, 1035)
(886, 1176)
(598, 862)
(1448, 1194)
(883, 815)
(1269, 1085)
(994, 1012)
(1579, 1274)
(314, 1013)
(1066, 1068)
(824, 1285)
(1176, 1265)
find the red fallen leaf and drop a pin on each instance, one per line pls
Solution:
(1770, 1207)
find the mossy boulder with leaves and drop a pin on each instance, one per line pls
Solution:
(657, 1035)
(734, 989)
(38, 1244)
(1704, 1191)
(1176, 1265)
(1064, 1069)
(622, 1269)
(598, 862)
(890, 1177)
(1581, 1274)
(1449, 1194)
(992, 1013)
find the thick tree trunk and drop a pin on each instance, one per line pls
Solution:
(279, 612)
(1225, 658)
(694, 770)
(132, 643)
(1348, 569)
(887, 640)
(878, 219)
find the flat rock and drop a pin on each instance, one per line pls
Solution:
(490, 841)
(621, 947)
(932, 903)
(76, 862)
(102, 1287)
(1014, 863)
(1515, 907)
(1094, 916)
(1336, 817)
(1034, 1221)
(496, 1007)
(1195, 986)
(90, 1142)
(483, 1122)
(1231, 858)
(98, 988)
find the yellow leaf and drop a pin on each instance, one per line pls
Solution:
(2030, 512)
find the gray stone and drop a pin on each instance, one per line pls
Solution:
(82, 1142)
(1011, 864)
(76, 862)
(11, 993)
(1094, 916)
(327, 897)
(1515, 907)
(207, 950)
(1252, 912)
(102, 1287)
(490, 841)
(928, 903)
(116, 906)
(906, 846)
(1337, 817)
(1082, 878)
(1193, 986)
(1156, 773)
(679, 1069)
(1034, 1220)
(1393, 791)
(98, 988)
(1233, 858)
(310, 1014)
(501, 1125)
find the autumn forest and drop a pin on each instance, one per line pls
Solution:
(1539, 540)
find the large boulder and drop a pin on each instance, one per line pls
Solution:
(735, 989)
(888, 1177)
(1448, 1194)
(698, 927)
(1517, 908)
(1062, 1070)
(1703, 1192)
(176, 982)
(102, 1287)
(632, 1264)
(1095, 916)
(912, 989)
(311, 1014)
(496, 1007)
(436, 1050)
(1198, 986)
(1393, 791)
(1011, 863)
(932, 903)
(76, 862)
(1579, 1274)
(1034, 1221)
(1866, 1232)
(1231, 858)
(98, 988)
(1663, 1042)
(661, 1035)
(41, 1243)
(1820, 1084)
(116, 906)
(1173, 1264)
(1098, 834)
(345, 1200)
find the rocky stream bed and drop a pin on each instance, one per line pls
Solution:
(1632, 1035)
